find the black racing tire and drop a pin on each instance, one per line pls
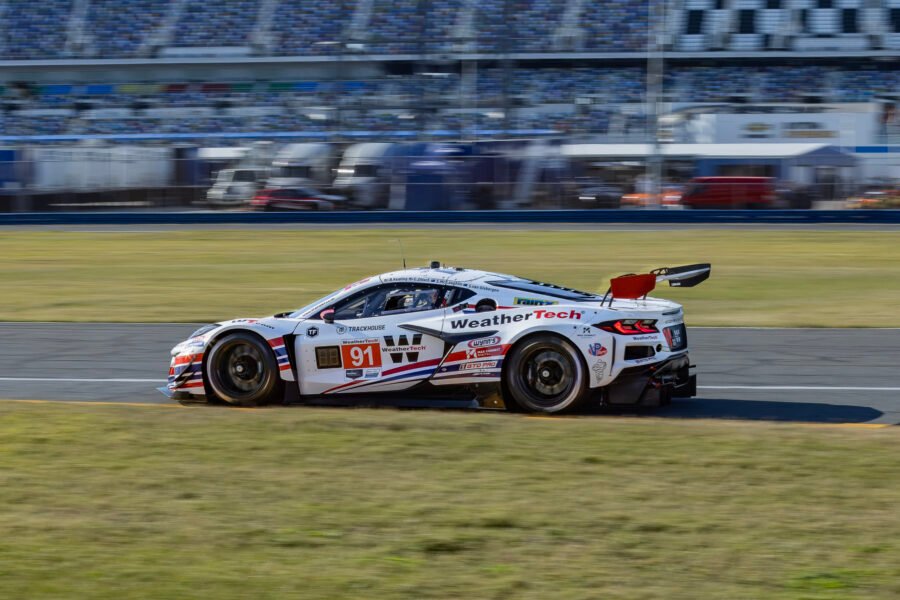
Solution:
(544, 374)
(241, 369)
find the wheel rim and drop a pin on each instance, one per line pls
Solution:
(240, 368)
(548, 376)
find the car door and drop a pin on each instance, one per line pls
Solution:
(366, 347)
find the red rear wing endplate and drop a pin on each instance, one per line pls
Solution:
(632, 286)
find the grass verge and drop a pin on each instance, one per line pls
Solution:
(760, 278)
(128, 502)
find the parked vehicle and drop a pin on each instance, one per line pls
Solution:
(669, 197)
(730, 192)
(364, 174)
(876, 198)
(597, 194)
(295, 199)
(234, 187)
(306, 164)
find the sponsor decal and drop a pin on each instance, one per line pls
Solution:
(644, 360)
(372, 373)
(487, 341)
(312, 331)
(585, 331)
(340, 330)
(533, 302)
(484, 352)
(596, 350)
(505, 319)
(357, 328)
(420, 279)
(479, 366)
(646, 337)
(599, 369)
(402, 347)
(563, 314)
(365, 341)
(361, 354)
(353, 373)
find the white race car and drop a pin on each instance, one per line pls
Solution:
(442, 336)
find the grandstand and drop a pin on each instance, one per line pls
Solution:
(141, 28)
(351, 69)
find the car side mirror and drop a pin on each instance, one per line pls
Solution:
(486, 305)
(327, 315)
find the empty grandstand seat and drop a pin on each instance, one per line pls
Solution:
(210, 24)
(117, 28)
(311, 27)
(36, 29)
(746, 42)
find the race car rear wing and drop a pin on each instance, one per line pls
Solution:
(685, 276)
(637, 286)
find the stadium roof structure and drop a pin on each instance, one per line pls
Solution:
(804, 154)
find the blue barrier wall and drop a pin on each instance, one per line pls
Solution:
(484, 216)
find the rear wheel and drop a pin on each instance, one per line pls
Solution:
(241, 370)
(544, 374)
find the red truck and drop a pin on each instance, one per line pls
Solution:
(730, 192)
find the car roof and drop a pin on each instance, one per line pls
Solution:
(444, 274)
(500, 286)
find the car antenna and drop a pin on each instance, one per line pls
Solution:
(402, 252)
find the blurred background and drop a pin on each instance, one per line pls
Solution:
(448, 104)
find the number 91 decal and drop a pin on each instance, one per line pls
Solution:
(364, 355)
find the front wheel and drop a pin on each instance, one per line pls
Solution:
(544, 374)
(241, 370)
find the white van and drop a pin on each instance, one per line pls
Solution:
(234, 187)
(302, 165)
(364, 175)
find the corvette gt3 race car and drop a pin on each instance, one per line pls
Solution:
(442, 336)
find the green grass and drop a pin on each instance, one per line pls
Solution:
(153, 502)
(760, 278)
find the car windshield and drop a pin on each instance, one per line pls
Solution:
(311, 308)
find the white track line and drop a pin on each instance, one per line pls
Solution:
(80, 380)
(823, 388)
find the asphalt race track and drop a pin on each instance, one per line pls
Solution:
(801, 375)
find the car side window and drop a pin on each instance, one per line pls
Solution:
(356, 307)
(389, 300)
(456, 295)
(409, 298)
